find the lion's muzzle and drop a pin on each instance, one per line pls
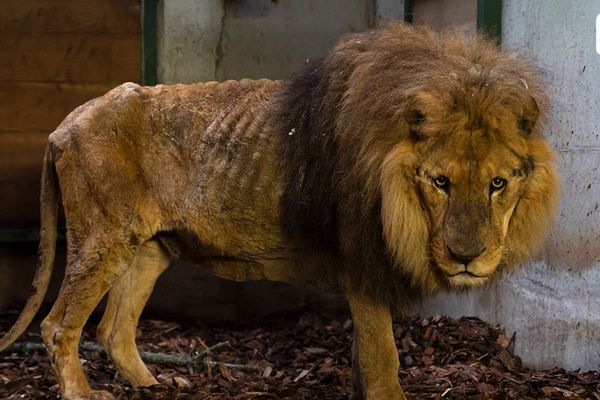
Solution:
(465, 256)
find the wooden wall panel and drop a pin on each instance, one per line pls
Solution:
(20, 161)
(54, 56)
(69, 57)
(78, 16)
(21, 153)
(20, 202)
(37, 106)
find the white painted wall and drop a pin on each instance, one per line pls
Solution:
(554, 303)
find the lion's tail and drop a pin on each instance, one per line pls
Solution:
(48, 216)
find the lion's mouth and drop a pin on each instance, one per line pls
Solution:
(466, 273)
(467, 279)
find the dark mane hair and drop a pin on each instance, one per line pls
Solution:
(309, 199)
(340, 117)
(317, 210)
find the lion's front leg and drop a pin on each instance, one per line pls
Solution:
(375, 357)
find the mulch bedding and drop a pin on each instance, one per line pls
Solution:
(307, 356)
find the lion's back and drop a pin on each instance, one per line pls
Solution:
(199, 155)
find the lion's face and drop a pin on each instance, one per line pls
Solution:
(462, 196)
(469, 184)
(423, 161)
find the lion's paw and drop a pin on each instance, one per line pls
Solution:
(93, 395)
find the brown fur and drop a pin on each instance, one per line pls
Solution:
(335, 179)
(386, 77)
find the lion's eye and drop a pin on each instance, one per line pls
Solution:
(497, 184)
(441, 182)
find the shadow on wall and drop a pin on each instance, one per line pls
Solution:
(183, 292)
(17, 267)
(192, 293)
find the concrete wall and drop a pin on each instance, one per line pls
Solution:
(457, 15)
(554, 303)
(188, 40)
(223, 39)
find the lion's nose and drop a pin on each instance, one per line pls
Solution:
(465, 257)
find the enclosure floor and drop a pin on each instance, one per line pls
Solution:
(307, 356)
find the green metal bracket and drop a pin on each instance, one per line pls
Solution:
(408, 9)
(149, 42)
(489, 18)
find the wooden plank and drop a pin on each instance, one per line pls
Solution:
(53, 16)
(23, 239)
(42, 106)
(19, 203)
(21, 155)
(66, 57)
(54, 56)
(30, 235)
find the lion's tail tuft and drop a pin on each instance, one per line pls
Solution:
(48, 217)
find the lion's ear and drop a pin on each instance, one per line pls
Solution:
(529, 116)
(415, 119)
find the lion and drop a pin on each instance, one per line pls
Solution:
(403, 163)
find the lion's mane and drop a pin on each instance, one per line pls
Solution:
(349, 149)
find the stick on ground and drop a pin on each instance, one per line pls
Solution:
(195, 361)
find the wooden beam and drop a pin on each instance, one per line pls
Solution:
(41, 106)
(69, 57)
(21, 155)
(25, 235)
(74, 16)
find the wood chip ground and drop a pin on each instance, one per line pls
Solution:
(307, 356)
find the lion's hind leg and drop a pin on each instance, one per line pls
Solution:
(93, 265)
(126, 300)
